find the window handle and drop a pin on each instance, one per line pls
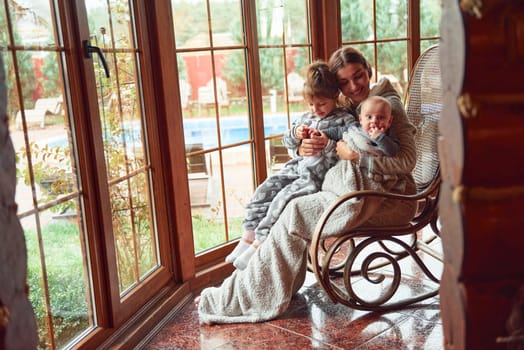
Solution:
(88, 51)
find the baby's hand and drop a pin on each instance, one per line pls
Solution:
(376, 132)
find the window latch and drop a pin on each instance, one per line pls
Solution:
(89, 50)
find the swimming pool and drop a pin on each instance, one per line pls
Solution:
(232, 129)
(204, 131)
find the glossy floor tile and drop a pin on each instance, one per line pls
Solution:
(312, 322)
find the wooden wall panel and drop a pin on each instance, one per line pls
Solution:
(482, 157)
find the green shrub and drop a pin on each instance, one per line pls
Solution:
(65, 281)
(209, 232)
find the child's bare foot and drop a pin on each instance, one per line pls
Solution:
(245, 241)
(241, 262)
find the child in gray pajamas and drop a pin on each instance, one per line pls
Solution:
(300, 176)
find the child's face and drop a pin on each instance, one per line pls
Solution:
(321, 106)
(375, 115)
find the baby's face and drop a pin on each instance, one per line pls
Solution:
(375, 115)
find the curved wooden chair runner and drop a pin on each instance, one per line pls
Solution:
(373, 268)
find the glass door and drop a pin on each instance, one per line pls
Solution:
(87, 182)
(121, 130)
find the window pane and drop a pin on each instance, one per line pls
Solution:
(424, 44)
(209, 210)
(283, 20)
(282, 74)
(60, 292)
(218, 117)
(4, 34)
(392, 19)
(135, 241)
(216, 114)
(270, 16)
(191, 23)
(238, 186)
(392, 63)
(368, 52)
(49, 195)
(125, 143)
(32, 23)
(272, 74)
(430, 13)
(207, 200)
(356, 20)
(226, 23)
(277, 155)
(199, 126)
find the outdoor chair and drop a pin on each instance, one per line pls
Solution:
(43, 107)
(206, 94)
(278, 155)
(198, 174)
(373, 268)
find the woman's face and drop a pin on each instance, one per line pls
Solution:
(353, 81)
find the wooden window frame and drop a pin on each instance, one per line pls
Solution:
(184, 273)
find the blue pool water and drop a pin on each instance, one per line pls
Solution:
(203, 131)
(232, 129)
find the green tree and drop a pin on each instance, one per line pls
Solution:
(189, 20)
(26, 74)
(53, 80)
(25, 66)
(271, 58)
(430, 14)
(391, 22)
(357, 20)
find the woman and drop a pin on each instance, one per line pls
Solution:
(277, 270)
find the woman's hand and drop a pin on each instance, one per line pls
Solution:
(316, 143)
(346, 153)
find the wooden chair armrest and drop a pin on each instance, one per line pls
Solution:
(360, 195)
(422, 198)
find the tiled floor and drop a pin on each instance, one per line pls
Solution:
(312, 322)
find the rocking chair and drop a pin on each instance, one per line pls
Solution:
(369, 268)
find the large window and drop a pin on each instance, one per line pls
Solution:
(138, 146)
(228, 91)
(86, 189)
(384, 32)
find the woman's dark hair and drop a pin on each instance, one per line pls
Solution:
(320, 81)
(346, 55)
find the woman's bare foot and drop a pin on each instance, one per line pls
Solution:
(197, 301)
